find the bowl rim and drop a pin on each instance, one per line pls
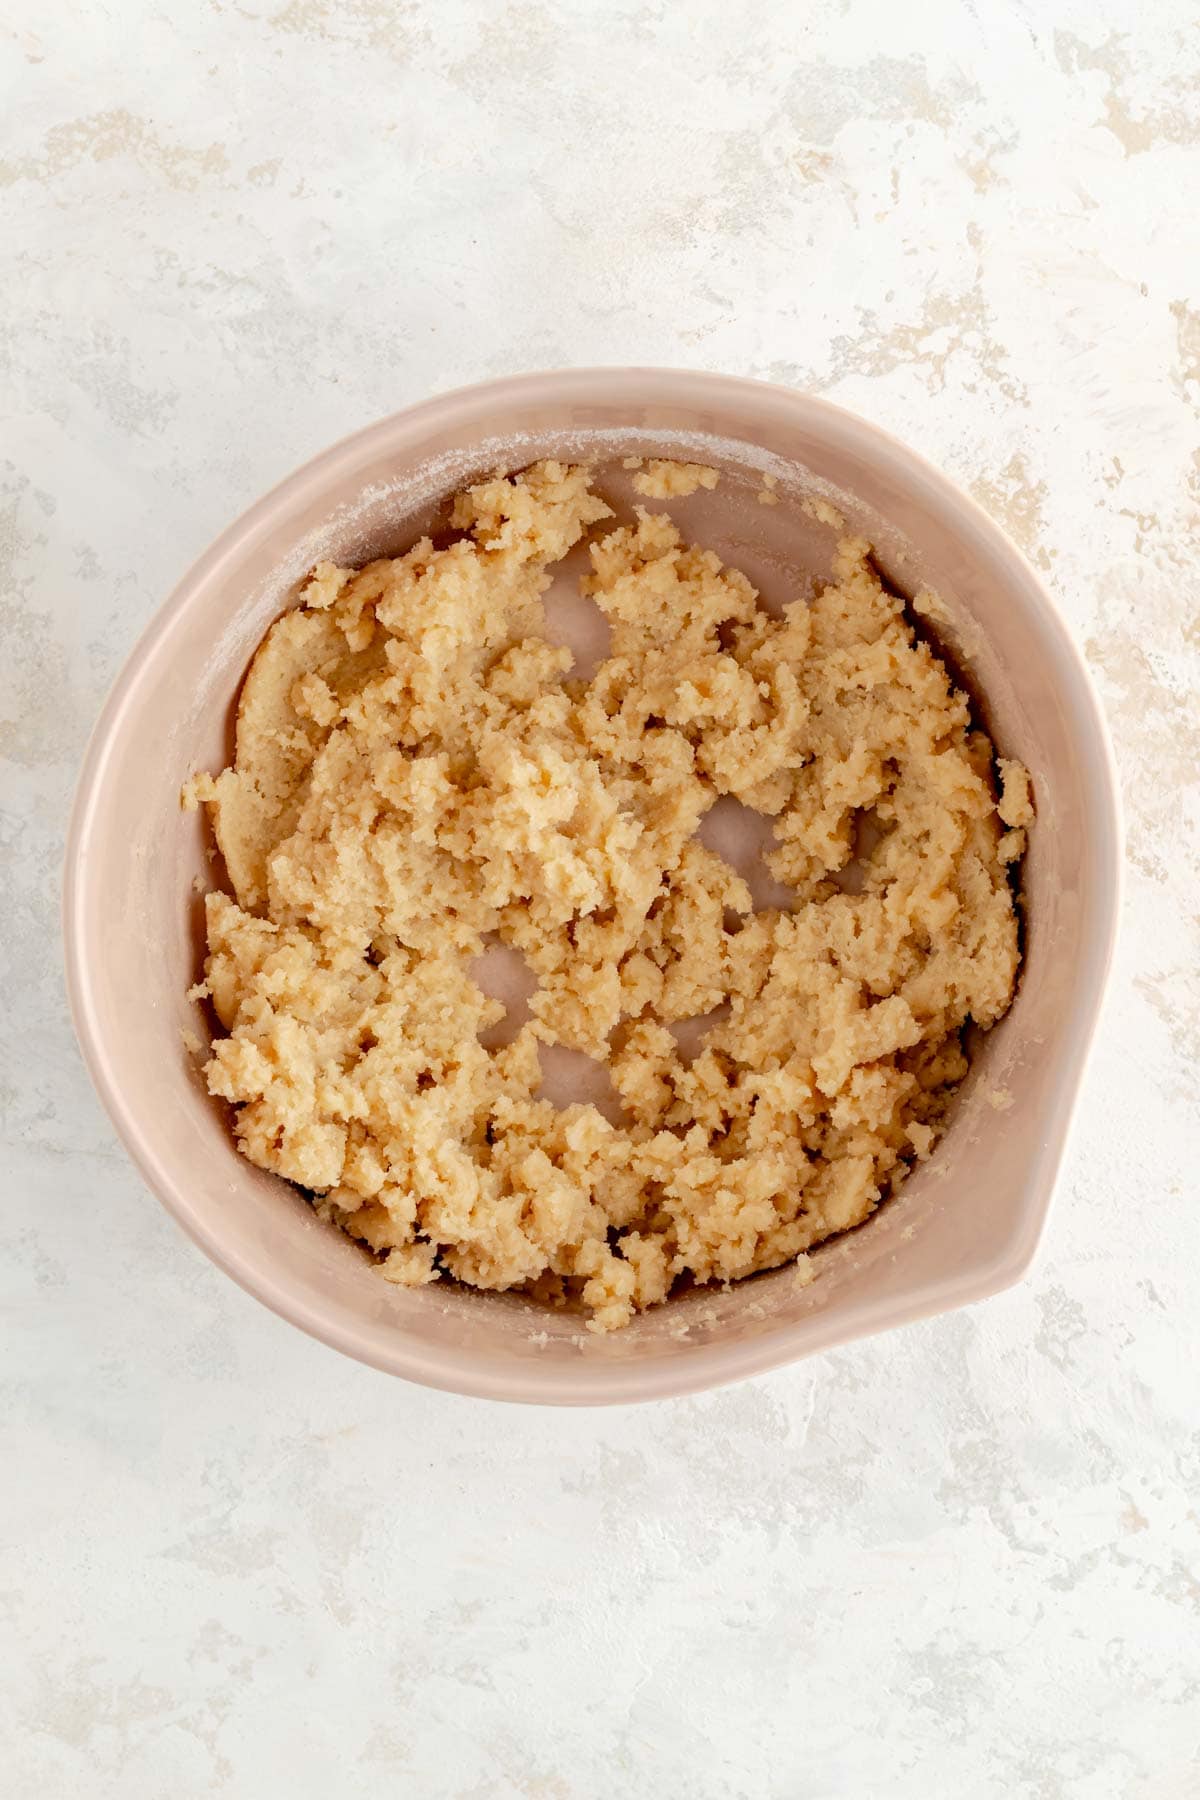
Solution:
(705, 1366)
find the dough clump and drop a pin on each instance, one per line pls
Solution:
(418, 776)
(661, 479)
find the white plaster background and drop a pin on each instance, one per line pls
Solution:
(961, 1560)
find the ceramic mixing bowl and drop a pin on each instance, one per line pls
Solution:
(963, 1226)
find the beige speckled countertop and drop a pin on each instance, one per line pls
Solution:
(962, 1560)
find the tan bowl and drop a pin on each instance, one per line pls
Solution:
(965, 1225)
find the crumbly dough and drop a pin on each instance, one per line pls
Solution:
(661, 479)
(417, 775)
(824, 512)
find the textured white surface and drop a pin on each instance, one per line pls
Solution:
(962, 1560)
